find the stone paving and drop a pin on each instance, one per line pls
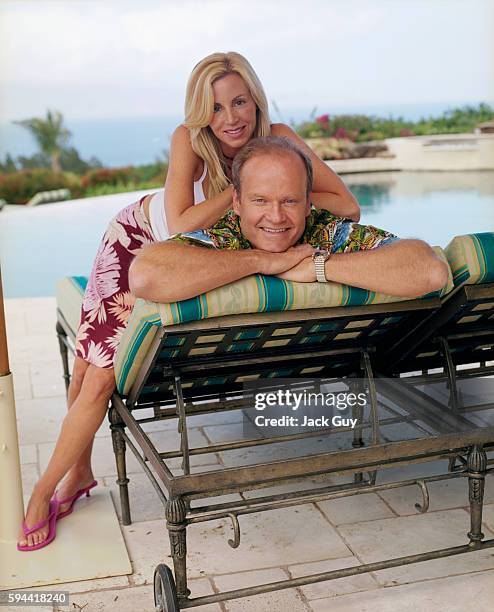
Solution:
(275, 545)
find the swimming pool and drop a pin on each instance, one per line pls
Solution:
(40, 245)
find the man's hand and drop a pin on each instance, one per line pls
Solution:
(274, 264)
(303, 272)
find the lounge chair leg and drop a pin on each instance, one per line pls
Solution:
(62, 337)
(117, 427)
(357, 413)
(182, 425)
(477, 466)
(450, 370)
(175, 512)
(366, 367)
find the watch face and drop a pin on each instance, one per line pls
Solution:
(321, 253)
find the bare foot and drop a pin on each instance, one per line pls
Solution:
(37, 510)
(71, 484)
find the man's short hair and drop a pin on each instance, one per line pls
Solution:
(266, 145)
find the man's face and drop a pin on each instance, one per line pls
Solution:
(273, 204)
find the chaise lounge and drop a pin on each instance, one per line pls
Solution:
(210, 354)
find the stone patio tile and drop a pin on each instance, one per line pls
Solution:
(199, 588)
(452, 594)
(145, 504)
(289, 487)
(169, 440)
(215, 500)
(123, 599)
(47, 378)
(148, 545)
(82, 586)
(27, 453)
(277, 601)
(103, 457)
(414, 470)
(44, 347)
(232, 432)
(488, 516)
(216, 418)
(40, 609)
(30, 476)
(39, 420)
(22, 381)
(278, 451)
(42, 319)
(269, 540)
(15, 323)
(356, 508)
(444, 494)
(401, 536)
(330, 588)
(198, 464)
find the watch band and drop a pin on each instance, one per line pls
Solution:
(320, 258)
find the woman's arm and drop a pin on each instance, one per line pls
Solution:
(328, 190)
(181, 214)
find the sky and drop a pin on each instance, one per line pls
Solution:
(117, 59)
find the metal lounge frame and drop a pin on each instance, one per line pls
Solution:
(373, 341)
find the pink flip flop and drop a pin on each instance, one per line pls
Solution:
(73, 499)
(51, 521)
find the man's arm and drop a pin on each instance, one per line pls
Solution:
(171, 271)
(405, 268)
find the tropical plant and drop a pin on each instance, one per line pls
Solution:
(19, 187)
(50, 134)
(363, 128)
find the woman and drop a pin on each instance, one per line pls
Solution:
(225, 107)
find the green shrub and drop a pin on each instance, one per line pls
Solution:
(20, 187)
(152, 172)
(126, 177)
(109, 176)
(106, 189)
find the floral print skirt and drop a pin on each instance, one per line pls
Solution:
(108, 301)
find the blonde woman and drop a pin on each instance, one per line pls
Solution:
(225, 107)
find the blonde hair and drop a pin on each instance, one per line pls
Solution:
(199, 109)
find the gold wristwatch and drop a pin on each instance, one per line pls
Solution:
(320, 258)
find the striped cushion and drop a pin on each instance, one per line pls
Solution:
(141, 329)
(267, 293)
(471, 258)
(252, 294)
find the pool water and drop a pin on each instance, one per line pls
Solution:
(40, 245)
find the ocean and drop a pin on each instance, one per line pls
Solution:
(141, 140)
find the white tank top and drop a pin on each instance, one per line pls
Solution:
(157, 215)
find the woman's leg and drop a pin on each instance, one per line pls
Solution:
(78, 429)
(80, 474)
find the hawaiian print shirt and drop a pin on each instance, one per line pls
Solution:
(322, 230)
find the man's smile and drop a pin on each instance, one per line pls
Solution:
(273, 230)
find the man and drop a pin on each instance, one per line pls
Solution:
(273, 230)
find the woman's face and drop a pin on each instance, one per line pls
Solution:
(234, 118)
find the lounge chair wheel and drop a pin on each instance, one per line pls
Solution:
(165, 592)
